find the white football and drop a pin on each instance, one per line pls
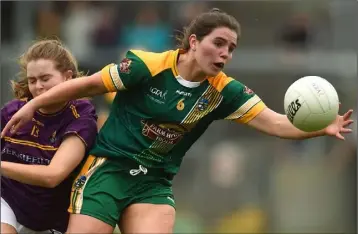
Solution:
(311, 103)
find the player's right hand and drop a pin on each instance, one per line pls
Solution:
(21, 117)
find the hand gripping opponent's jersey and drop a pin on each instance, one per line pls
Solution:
(157, 115)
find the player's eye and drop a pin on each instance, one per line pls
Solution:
(32, 81)
(218, 43)
(45, 77)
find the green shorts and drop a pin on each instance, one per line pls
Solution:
(105, 187)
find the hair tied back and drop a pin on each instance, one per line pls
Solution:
(216, 10)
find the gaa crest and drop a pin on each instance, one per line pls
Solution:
(80, 182)
(202, 104)
(124, 66)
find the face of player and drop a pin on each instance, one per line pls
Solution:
(215, 50)
(42, 76)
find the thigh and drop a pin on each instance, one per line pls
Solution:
(95, 195)
(8, 218)
(7, 228)
(145, 218)
(80, 223)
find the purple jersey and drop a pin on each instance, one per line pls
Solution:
(35, 207)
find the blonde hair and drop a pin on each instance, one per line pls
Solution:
(52, 50)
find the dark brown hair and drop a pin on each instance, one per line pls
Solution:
(52, 50)
(205, 23)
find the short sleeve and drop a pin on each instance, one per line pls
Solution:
(9, 109)
(241, 103)
(130, 72)
(84, 126)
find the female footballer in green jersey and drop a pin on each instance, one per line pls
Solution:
(164, 103)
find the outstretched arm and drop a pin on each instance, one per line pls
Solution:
(131, 72)
(66, 91)
(275, 124)
(70, 90)
(63, 163)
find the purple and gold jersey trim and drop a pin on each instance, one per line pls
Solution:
(30, 143)
(76, 134)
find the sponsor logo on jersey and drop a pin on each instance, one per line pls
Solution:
(247, 90)
(158, 92)
(292, 109)
(134, 172)
(166, 133)
(185, 94)
(202, 104)
(124, 66)
(25, 157)
(80, 182)
(159, 95)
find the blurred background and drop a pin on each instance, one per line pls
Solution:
(234, 179)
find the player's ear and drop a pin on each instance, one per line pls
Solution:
(193, 41)
(68, 75)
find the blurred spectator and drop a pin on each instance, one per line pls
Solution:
(7, 14)
(188, 222)
(107, 29)
(48, 20)
(187, 12)
(247, 220)
(79, 22)
(147, 32)
(296, 33)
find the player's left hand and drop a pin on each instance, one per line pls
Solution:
(340, 125)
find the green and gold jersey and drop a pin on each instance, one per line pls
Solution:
(156, 115)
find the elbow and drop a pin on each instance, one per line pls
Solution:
(52, 181)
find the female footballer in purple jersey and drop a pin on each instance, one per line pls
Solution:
(37, 162)
(207, 45)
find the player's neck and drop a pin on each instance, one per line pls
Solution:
(52, 109)
(188, 68)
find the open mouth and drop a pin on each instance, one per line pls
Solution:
(219, 65)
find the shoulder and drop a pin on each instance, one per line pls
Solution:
(227, 85)
(83, 107)
(154, 62)
(13, 106)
